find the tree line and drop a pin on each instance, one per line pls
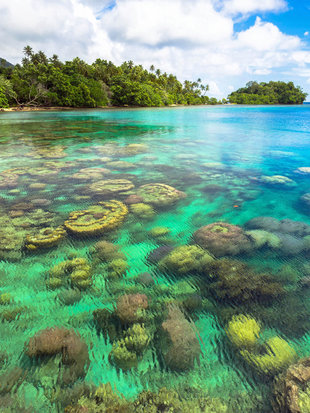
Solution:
(43, 81)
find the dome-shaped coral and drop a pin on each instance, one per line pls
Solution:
(77, 271)
(106, 251)
(263, 238)
(110, 187)
(69, 344)
(142, 211)
(186, 258)
(96, 219)
(159, 195)
(122, 357)
(222, 239)
(243, 331)
(89, 174)
(180, 345)
(277, 356)
(130, 308)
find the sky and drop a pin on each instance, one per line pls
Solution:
(226, 43)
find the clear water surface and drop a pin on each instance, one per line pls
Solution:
(199, 329)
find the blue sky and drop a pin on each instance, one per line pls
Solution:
(224, 42)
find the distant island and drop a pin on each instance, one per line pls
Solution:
(271, 93)
(42, 81)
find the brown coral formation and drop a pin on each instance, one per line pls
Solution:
(130, 308)
(183, 348)
(222, 239)
(69, 344)
(235, 281)
(289, 389)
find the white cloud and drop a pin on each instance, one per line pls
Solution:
(266, 36)
(306, 34)
(167, 23)
(234, 7)
(189, 38)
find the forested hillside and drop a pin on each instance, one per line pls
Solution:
(43, 81)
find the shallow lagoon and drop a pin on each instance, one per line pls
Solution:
(216, 322)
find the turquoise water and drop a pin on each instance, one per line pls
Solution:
(200, 322)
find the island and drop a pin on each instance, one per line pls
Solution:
(271, 93)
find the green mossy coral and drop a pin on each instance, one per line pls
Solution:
(263, 238)
(142, 211)
(159, 232)
(76, 271)
(137, 338)
(5, 298)
(185, 259)
(243, 331)
(277, 356)
(106, 251)
(122, 357)
(117, 268)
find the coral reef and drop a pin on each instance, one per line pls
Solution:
(185, 259)
(159, 195)
(97, 219)
(77, 271)
(90, 174)
(117, 268)
(68, 343)
(263, 238)
(291, 389)
(179, 344)
(142, 211)
(277, 356)
(233, 281)
(243, 331)
(130, 308)
(106, 251)
(109, 187)
(45, 238)
(223, 239)
(102, 400)
(277, 180)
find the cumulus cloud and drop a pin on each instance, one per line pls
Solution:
(234, 7)
(167, 23)
(189, 38)
(266, 36)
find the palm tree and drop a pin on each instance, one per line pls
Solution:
(28, 52)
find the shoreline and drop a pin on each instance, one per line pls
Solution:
(15, 109)
(68, 108)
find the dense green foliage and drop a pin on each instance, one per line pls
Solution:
(268, 93)
(49, 82)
